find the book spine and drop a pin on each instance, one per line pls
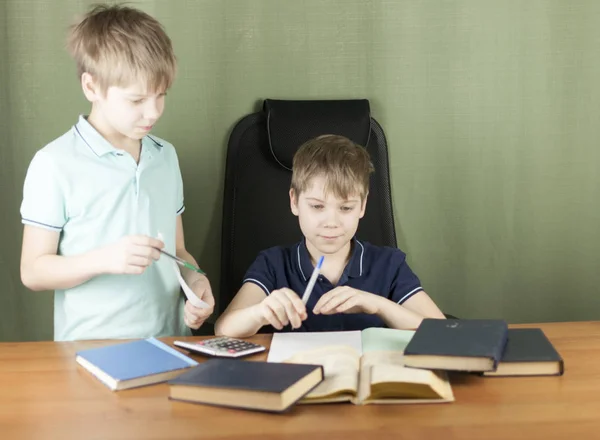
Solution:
(497, 356)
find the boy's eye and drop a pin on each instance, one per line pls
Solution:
(138, 101)
(347, 208)
(316, 206)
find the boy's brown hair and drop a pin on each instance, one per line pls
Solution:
(119, 45)
(345, 165)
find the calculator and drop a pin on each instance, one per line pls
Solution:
(222, 346)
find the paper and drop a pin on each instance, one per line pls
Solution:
(191, 296)
(285, 345)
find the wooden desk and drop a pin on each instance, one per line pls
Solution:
(44, 394)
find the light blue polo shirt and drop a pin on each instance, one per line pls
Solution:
(94, 194)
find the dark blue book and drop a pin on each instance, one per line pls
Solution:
(457, 344)
(134, 364)
(263, 386)
(528, 352)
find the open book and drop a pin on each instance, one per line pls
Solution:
(362, 367)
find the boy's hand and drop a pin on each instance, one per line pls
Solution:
(345, 299)
(131, 254)
(280, 308)
(194, 316)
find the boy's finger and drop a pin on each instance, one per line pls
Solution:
(135, 260)
(145, 251)
(194, 319)
(155, 254)
(281, 314)
(335, 302)
(331, 294)
(195, 324)
(292, 314)
(322, 303)
(296, 302)
(347, 305)
(145, 240)
(271, 317)
(197, 311)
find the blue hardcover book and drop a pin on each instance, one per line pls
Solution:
(134, 364)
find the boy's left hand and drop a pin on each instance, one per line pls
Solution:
(345, 299)
(194, 316)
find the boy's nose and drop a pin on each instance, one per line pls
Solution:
(152, 112)
(332, 219)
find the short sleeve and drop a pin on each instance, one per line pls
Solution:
(261, 273)
(405, 283)
(43, 202)
(179, 188)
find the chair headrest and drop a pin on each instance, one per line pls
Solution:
(291, 123)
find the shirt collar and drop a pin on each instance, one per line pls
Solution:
(100, 146)
(353, 269)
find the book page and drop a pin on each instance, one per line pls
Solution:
(286, 345)
(370, 359)
(340, 365)
(389, 339)
(384, 379)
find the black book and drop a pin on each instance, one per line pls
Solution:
(457, 344)
(528, 352)
(245, 384)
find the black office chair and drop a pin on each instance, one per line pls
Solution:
(256, 208)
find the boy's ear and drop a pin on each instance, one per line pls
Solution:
(293, 202)
(91, 90)
(363, 208)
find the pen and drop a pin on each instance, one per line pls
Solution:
(312, 281)
(182, 262)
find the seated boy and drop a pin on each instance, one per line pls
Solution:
(360, 285)
(96, 199)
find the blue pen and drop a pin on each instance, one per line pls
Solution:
(312, 281)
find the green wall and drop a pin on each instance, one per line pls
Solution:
(491, 111)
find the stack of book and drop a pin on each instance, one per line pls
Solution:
(484, 346)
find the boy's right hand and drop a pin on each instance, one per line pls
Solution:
(280, 308)
(131, 254)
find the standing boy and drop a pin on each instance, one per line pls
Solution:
(96, 199)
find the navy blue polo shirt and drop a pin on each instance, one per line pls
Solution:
(374, 269)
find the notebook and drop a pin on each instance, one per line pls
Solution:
(457, 344)
(528, 352)
(362, 367)
(264, 386)
(285, 345)
(134, 364)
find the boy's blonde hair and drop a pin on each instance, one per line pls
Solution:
(345, 166)
(120, 46)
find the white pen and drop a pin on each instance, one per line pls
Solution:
(312, 281)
